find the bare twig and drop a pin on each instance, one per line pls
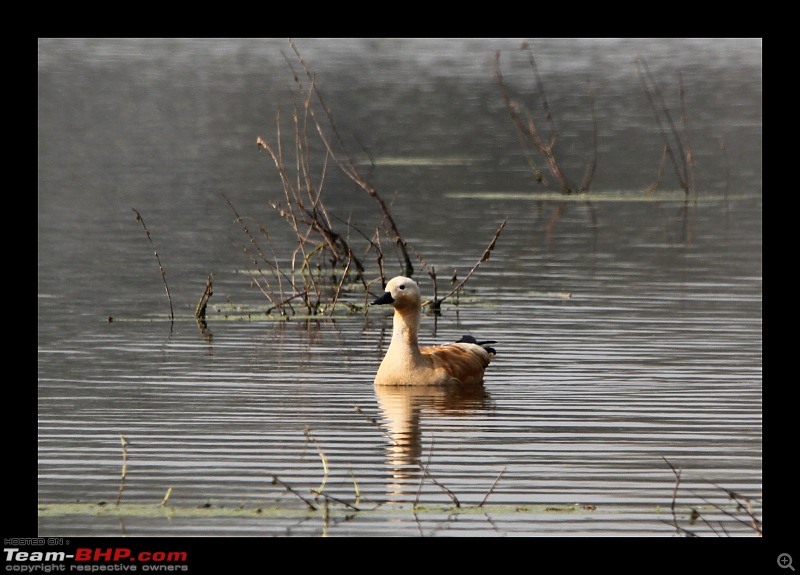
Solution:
(488, 493)
(200, 310)
(337, 500)
(158, 259)
(591, 167)
(677, 473)
(309, 504)
(742, 502)
(345, 163)
(273, 264)
(486, 253)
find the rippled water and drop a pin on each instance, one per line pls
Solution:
(629, 328)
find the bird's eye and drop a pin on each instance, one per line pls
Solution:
(403, 286)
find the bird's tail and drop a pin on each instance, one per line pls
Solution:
(483, 344)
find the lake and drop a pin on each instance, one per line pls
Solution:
(625, 398)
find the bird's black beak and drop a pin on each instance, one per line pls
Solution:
(385, 298)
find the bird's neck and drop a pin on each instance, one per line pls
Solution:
(404, 329)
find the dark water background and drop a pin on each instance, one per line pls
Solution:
(629, 325)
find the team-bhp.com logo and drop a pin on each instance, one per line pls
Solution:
(92, 559)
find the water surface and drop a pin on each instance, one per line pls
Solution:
(629, 325)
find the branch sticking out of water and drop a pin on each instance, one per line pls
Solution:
(427, 474)
(344, 161)
(200, 310)
(529, 134)
(742, 503)
(166, 497)
(158, 259)
(125, 444)
(276, 481)
(437, 303)
(677, 474)
(491, 489)
(676, 147)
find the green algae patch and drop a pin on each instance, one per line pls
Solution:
(601, 196)
(427, 161)
(273, 511)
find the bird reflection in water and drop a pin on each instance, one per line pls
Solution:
(403, 409)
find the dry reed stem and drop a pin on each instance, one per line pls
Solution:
(166, 497)
(356, 488)
(322, 456)
(125, 444)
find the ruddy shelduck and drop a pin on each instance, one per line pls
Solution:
(406, 363)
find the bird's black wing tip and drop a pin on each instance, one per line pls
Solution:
(483, 344)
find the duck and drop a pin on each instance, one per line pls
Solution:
(406, 363)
